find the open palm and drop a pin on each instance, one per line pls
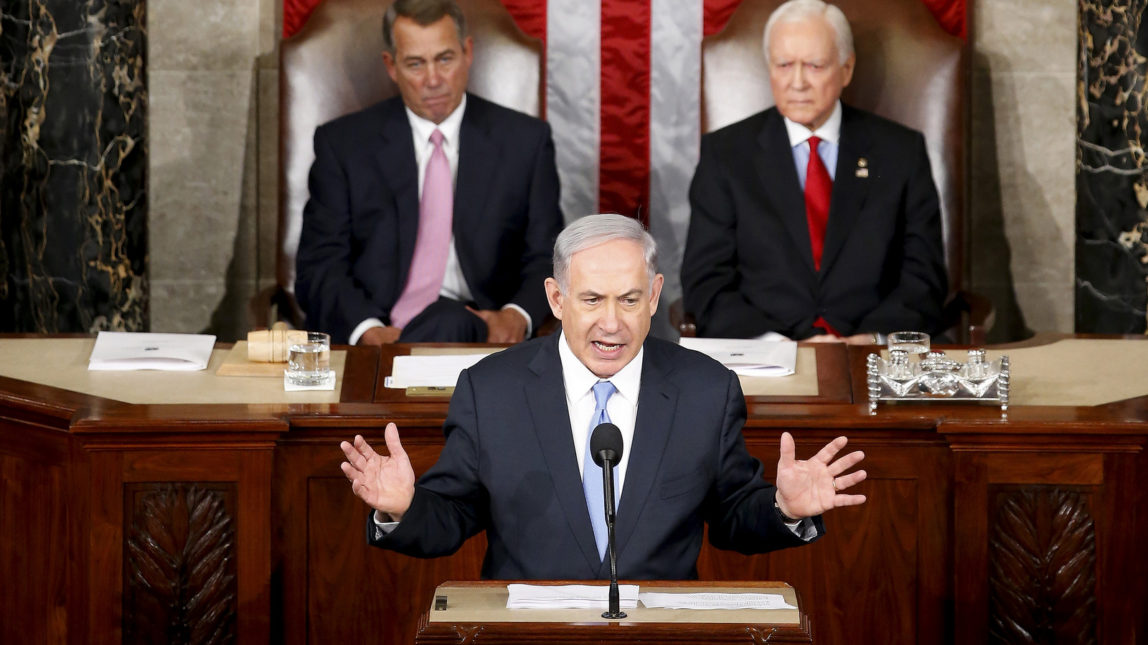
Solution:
(385, 483)
(811, 487)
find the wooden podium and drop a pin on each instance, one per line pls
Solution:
(469, 612)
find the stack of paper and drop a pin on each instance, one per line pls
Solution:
(116, 350)
(749, 357)
(430, 371)
(710, 600)
(568, 596)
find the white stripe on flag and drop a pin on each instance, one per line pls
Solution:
(675, 122)
(573, 94)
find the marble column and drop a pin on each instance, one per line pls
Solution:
(1111, 189)
(73, 166)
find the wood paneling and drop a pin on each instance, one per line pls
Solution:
(960, 500)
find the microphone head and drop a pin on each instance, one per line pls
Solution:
(606, 438)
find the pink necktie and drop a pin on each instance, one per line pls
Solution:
(424, 280)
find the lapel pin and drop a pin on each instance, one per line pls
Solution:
(862, 167)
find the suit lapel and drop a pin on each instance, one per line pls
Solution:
(399, 170)
(849, 189)
(777, 173)
(657, 400)
(478, 157)
(546, 399)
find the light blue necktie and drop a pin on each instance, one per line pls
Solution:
(592, 472)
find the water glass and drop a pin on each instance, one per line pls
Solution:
(309, 361)
(913, 343)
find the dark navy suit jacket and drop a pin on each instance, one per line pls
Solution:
(748, 264)
(508, 467)
(361, 220)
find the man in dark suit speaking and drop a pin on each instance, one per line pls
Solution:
(813, 219)
(432, 214)
(515, 460)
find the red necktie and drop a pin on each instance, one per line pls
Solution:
(818, 187)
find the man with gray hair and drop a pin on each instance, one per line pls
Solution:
(432, 214)
(517, 464)
(813, 219)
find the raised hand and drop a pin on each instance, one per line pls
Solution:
(385, 483)
(808, 488)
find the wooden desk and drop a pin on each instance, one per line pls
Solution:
(477, 611)
(976, 524)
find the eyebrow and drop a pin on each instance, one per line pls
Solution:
(595, 294)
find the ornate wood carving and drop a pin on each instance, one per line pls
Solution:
(179, 564)
(468, 634)
(1042, 567)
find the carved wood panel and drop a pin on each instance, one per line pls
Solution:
(1042, 566)
(179, 563)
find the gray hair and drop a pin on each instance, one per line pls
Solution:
(592, 230)
(423, 12)
(798, 10)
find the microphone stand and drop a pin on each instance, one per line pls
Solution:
(614, 610)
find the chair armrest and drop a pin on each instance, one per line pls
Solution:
(683, 320)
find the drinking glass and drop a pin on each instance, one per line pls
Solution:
(309, 361)
(913, 343)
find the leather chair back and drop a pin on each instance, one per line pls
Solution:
(909, 69)
(334, 66)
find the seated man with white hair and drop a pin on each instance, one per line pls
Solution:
(813, 219)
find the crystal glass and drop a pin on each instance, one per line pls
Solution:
(309, 361)
(913, 343)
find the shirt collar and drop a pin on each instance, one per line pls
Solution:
(798, 134)
(422, 128)
(579, 379)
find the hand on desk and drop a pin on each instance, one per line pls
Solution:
(380, 336)
(385, 483)
(808, 488)
(505, 325)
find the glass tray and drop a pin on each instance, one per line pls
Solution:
(938, 377)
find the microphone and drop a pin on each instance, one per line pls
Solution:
(606, 449)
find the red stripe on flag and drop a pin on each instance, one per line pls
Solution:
(530, 15)
(624, 150)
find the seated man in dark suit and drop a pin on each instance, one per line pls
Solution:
(516, 462)
(432, 214)
(839, 243)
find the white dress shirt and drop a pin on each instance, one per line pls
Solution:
(454, 284)
(622, 405)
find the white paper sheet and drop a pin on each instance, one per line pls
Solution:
(116, 350)
(568, 596)
(749, 357)
(710, 600)
(429, 371)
